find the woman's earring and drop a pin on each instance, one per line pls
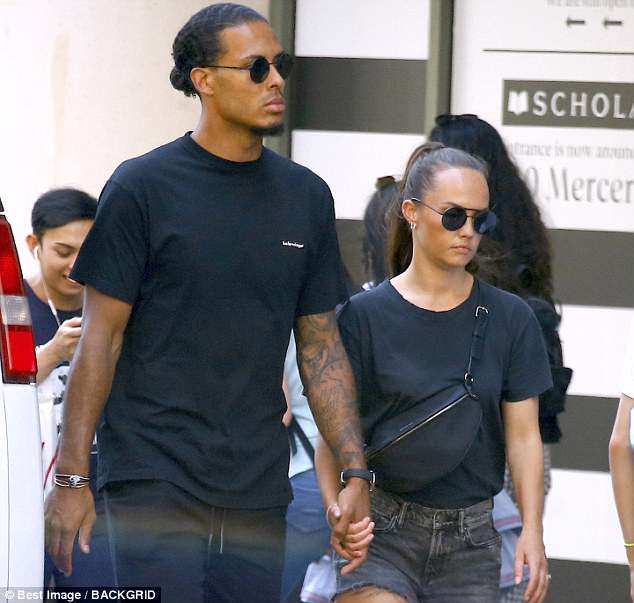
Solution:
(412, 225)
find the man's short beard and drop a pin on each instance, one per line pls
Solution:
(272, 131)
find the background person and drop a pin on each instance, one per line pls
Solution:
(622, 458)
(307, 533)
(375, 225)
(205, 253)
(60, 221)
(407, 339)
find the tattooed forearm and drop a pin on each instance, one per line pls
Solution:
(329, 384)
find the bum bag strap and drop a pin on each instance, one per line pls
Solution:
(477, 341)
(295, 429)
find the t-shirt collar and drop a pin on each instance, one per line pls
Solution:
(220, 163)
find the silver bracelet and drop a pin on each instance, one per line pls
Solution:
(70, 480)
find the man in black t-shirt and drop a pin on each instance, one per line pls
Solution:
(204, 254)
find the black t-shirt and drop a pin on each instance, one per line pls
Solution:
(217, 259)
(401, 353)
(44, 323)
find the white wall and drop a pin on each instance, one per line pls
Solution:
(358, 29)
(85, 85)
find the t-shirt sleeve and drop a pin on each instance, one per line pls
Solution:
(627, 387)
(114, 254)
(528, 372)
(325, 285)
(351, 338)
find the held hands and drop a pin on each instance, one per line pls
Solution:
(530, 551)
(349, 520)
(65, 341)
(68, 510)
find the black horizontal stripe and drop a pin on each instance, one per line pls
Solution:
(359, 95)
(585, 582)
(593, 268)
(586, 426)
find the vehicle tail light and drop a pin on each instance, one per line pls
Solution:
(16, 334)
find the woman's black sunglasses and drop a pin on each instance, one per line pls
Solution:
(260, 68)
(454, 218)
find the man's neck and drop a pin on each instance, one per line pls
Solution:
(227, 141)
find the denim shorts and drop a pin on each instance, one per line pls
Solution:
(429, 555)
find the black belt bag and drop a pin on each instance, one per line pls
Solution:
(430, 439)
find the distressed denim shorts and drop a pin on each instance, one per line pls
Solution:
(429, 555)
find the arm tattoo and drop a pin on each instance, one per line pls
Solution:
(329, 384)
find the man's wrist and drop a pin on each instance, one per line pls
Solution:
(359, 477)
(73, 467)
(74, 481)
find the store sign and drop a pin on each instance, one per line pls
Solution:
(568, 104)
(556, 78)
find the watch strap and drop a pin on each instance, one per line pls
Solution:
(365, 474)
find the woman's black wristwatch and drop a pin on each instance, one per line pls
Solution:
(365, 474)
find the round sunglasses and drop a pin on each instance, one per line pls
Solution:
(455, 218)
(260, 68)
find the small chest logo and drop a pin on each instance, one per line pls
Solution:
(293, 244)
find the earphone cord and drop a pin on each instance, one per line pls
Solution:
(51, 305)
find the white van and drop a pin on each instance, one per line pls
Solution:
(21, 499)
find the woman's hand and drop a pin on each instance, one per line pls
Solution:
(353, 545)
(530, 551)
(59, 349)
(64, 343)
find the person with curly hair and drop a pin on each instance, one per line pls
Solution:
(204, 254)
(520, 236)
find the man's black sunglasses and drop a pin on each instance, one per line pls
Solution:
(454, 218)
(260, 68)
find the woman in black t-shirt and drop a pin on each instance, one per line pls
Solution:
(408, 339)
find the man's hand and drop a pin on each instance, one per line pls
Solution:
(68, 510)
(530, 551)
(351, 524)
